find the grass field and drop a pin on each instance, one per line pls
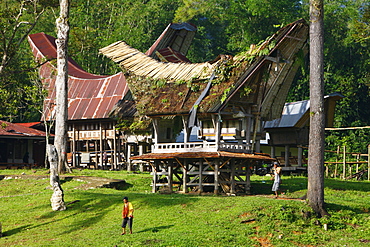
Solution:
(93, 216)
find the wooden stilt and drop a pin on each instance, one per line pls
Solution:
(248, 179)
(232, 176)
(154, 172)
(201, 176)
(216, 175)
(185, 177)
(170, 176)
(368, 163)
(344, 162)
(336, 164)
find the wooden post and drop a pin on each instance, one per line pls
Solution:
(286, 155)
(218, 127)
(344, 162)
(185, 177)
(186, 129)
(217, 163)
(300, 156)
(154, 173)
(170, 176)
(368, 163)
(156, 131)
(248, 179)
(74, 147)
(128, 161)
(232, 176)
(141, 165)
(100, 160)
(200, 176)
(273, 155)
(358, 159)
(114, 156)
(336, 164)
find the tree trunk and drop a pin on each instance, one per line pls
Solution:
(57, 199)
(62, 86)
(315, 190)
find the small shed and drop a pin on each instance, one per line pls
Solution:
(21, 146)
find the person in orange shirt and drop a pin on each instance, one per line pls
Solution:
(127, 215)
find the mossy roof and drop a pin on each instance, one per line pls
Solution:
(161, 88)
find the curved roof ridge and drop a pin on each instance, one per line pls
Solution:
(46, 48)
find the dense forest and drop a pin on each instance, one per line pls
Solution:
(224, 27)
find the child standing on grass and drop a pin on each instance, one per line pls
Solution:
(277, 179)
(127, 215)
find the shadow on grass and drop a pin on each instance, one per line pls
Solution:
(336, 184)
(291, 184)
(15, 230)
(338, 208)
(155, 229)
(65, 179)
(93, 208)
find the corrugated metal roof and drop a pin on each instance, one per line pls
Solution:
(89, 96)
(10, 130)
(296, 114)
(292, 113)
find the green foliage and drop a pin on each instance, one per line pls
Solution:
(224, 27)
(136, 125)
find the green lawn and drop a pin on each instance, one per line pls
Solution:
(93, 216)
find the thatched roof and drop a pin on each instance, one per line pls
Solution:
(161, 88)
(140, 64)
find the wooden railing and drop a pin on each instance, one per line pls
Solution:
(91, 134)
(200, 147)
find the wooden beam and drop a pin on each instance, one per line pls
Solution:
(225, 162)
(349, 128)
(178, 161)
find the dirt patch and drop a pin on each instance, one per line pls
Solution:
(90, 182)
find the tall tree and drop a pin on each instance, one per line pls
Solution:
(62, 85)
(58, 160)
(315, 192)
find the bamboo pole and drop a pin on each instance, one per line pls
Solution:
(368, 163)
(336, 165)
(344, 162)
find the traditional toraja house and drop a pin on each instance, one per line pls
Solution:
(289, 134)
(90, 100)
(93, 100)
(226, 98)
(21, 146)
